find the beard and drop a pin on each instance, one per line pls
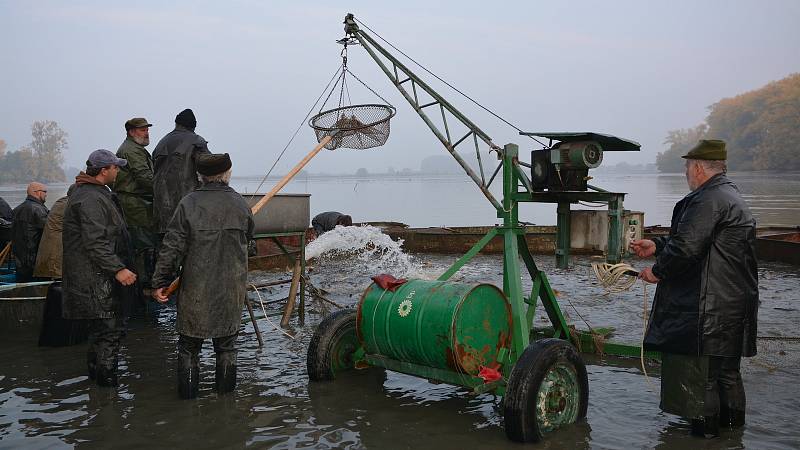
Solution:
(143, 141)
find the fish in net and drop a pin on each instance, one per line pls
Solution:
(357, 126)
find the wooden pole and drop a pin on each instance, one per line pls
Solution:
(4, 253)
(255, 324)
(287, 310)
(268, 196)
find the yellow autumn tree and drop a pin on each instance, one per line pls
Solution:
(761, 128)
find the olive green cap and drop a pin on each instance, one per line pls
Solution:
(709, 150)
(137, 122)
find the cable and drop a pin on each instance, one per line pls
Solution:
(265, 313)
(593, 204)
(296, 131)
(610, 277)
(370, 89)
(448, 84)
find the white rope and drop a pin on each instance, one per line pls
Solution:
(615, 278)
(265, 313)
(621, 277)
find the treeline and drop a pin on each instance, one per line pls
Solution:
(40, 160)
(761, 128)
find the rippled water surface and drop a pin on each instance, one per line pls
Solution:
(46, 401)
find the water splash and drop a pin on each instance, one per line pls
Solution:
(367, 248)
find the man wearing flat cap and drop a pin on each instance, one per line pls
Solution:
(97, 264)
(175, 167)
(704, 314)
(134, 187)
(208, 237)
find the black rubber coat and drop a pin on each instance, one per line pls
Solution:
(96, 247)
(174, 171)
(208, 236)
(5, 210)
(26, 231)
(707, 300)
(326, 221)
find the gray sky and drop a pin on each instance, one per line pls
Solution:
(251, 70)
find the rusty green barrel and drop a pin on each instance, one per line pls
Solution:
(452, 326)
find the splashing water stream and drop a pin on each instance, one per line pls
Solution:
(344, 259)
(368, 248)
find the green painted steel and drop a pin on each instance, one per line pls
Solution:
(442, 325)
(468, 256)
(558, 398)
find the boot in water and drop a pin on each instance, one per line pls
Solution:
(106, 377)
(707, 427)
(730, 418)
(91, 365)
(225, 380)
(188, 382)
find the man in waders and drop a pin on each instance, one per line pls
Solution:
(134, 187)
(175, 167)
(208, 237)
(96, 263)
(706, 303)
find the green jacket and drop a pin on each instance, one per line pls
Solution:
(134, 184)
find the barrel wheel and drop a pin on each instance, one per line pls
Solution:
(333, 345)
(547, 389)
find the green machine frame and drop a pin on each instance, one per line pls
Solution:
(516, 188)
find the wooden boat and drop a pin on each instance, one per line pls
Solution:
(22, 304)
(775, 244)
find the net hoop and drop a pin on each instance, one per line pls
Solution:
(317, 121)
(355, 126)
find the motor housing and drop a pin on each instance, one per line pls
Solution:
(565, 167)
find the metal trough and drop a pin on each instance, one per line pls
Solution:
(284, 213)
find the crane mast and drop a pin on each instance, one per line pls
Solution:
(401, 76)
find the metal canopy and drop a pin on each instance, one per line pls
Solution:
(608, 142)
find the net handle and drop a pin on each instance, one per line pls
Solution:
(257, 207)
(288, 177)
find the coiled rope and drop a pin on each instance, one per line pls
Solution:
(621, 277)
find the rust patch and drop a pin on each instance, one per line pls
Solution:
(487, 326)
(359, 320)
(450, 359)
(469, 359)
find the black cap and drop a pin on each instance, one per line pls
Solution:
(209, 164)
(186, 118)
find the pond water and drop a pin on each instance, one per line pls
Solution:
(46, 401)
(454, 200)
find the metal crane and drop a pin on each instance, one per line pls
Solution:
(473, 335)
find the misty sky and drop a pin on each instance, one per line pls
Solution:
(251, 70)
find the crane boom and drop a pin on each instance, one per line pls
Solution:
(398, 68)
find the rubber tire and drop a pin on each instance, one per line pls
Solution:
(322, 351)
(519, 404)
